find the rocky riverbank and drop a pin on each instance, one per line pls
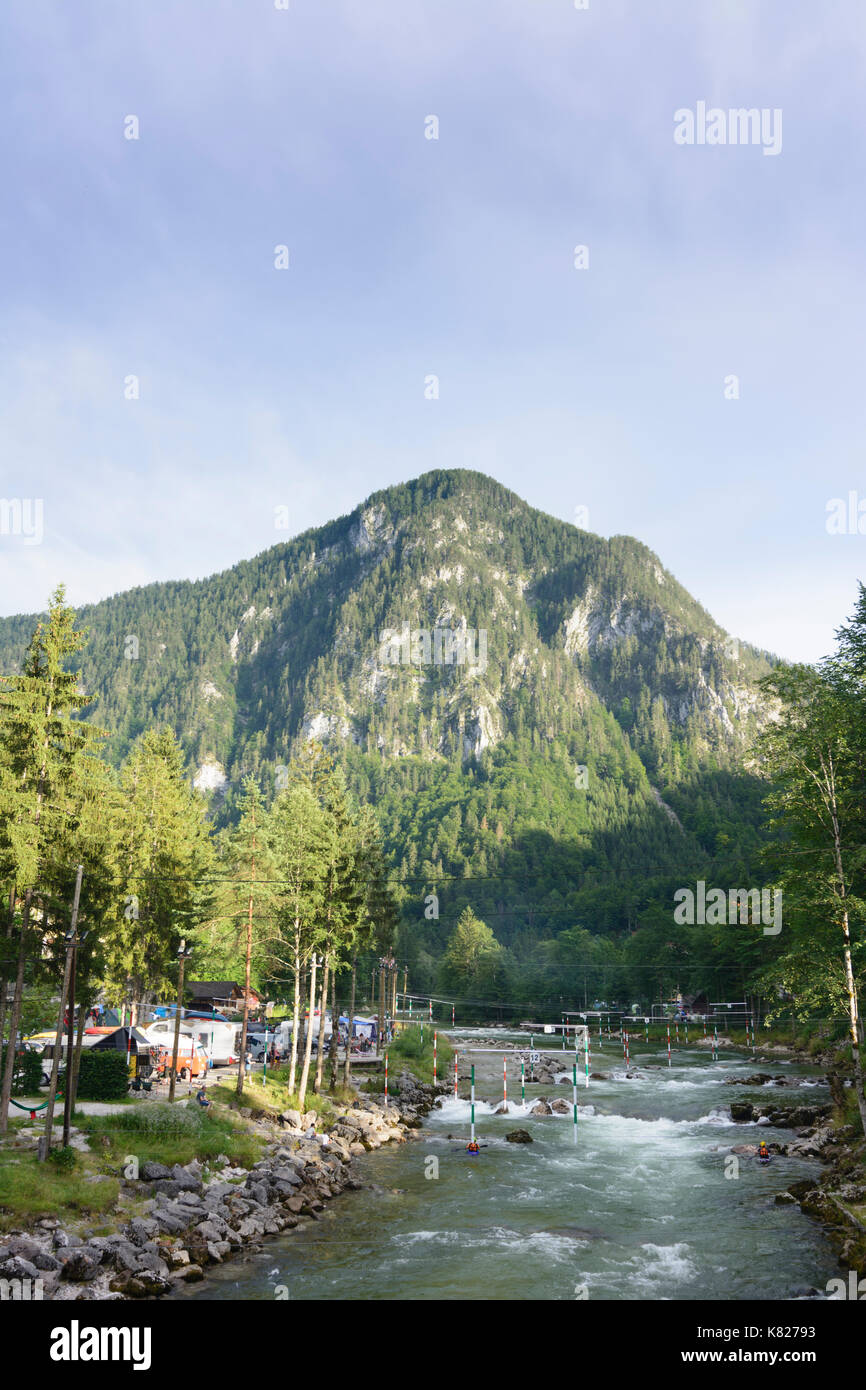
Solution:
(838, 1197)
(193, 1217)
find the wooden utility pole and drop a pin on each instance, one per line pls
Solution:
(182, 955)
(70, 1052)
(45, 1141)
(347, 1067)
(242, 1060)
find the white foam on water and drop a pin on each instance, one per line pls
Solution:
(665, 1264)
(545, 1243)
(439, 1237)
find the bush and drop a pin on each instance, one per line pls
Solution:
(28, 1073)
(63, 1159)
(102, 1076)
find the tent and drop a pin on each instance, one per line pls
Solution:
(361, 1027)
(142, 1052)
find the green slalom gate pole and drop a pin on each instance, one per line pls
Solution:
(472, 1105)
(586, 1053)
(574, 1096)
(523, 1083)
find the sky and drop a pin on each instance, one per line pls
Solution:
(172, 402)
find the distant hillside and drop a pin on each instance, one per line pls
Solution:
(596, 747)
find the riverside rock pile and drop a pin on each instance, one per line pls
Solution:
(783, 1117)
(192, 1218)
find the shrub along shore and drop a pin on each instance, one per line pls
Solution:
(150, 1195)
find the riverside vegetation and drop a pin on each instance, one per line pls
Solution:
(514, 836)
(153, 1195)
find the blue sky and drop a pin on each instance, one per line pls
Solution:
(304, 388)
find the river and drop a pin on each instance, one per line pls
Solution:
(639, 1208)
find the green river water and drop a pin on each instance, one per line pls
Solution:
(638, 1208)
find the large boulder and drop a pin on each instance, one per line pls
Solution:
(141, 1229)
(150, 1171)
(16, 1267)
(518, 1136)
(80, 1267)
(742, 1112)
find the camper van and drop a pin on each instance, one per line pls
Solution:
(218, 1037)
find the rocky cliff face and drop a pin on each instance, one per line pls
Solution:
(440, 620)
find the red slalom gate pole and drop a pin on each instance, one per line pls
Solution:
(434, 1058)
(455, 1075)
(669, 1044)
(386, 1081)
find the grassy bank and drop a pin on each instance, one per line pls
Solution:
(85, 1186)
(272, 1096)
(407, 1050)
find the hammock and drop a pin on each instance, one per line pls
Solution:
(34, 1108)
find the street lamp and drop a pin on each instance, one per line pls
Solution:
(183, 956)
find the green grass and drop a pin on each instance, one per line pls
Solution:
(407, 1051)
(271, 1098)
(171, 1134)
(30, 1189)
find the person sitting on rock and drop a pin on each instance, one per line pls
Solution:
(201, 1097)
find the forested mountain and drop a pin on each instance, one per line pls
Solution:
(584, 751)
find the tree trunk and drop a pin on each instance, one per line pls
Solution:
(45, 1141)
(79, 1044)
(853, 1011)
(347, 1067)
(15, 1015)
(853, 1014)
(296, 1020)
(320, 1057)
(335, 1032)
(308, 1044)
(242, 1060)
(3, 980)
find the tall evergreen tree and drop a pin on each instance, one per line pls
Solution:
(165, 859)
(44, 748)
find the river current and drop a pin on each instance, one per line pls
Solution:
(640, 1207)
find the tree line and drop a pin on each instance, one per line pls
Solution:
(296, 891)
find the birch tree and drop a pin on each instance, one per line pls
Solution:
(815, 755)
